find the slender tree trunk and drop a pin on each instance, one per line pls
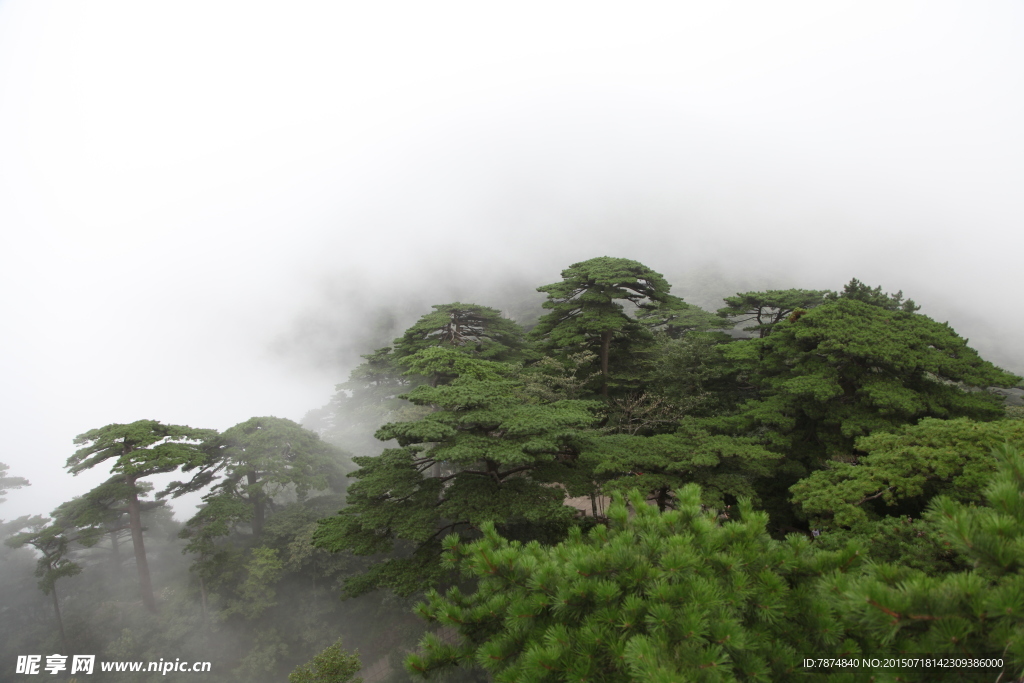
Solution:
(60, 621)
(115, 546)
(606, 345)
(593, 504)
(135, 521)
(202, 599)
(256, 496)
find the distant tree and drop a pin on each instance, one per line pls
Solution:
(366, 401)
(7, 483)
(104, 512)
(676, 318)
(857, 290)
(369, 398)
(484, 454)
(261, 457)
(53, 544)
(475, 329)
(138, 450)
(769, 308)
(682, 595)
(333, 665)
(586, 313)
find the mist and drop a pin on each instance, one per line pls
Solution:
(205, 238)
(210, 212)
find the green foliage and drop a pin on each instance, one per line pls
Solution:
(906, 468)
(215, 519)
(769, 308)
(653, 597)
(844, 370)
(7, 483)
(586, 313)
(900, 610)
(904, 540)
(847, 369)
(675, 318)
(256, 592)
(53, 544)
(554, 379)
(478, 330)
(693, 373)
(333, 665)
(484, 455)
(140, 449)
(265, 655)
(642, 414)
(103, 510)
(724, 466)
(368, 400)
(371, 396)
(855, 289)
(260, 458)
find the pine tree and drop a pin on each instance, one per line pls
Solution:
(140, 449)
(586, 313)
(333, 665)
(53, 543)
(978, 613)
(904, 470)
(668, 597)
(846, 369)
(769, 308)
(855, 289)
(485, 454)
(7, 482)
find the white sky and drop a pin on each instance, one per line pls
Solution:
(200, 202)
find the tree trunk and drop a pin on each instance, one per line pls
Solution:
(115, 546)
(606, 345)
(135, 521)
(662, 499)
(60, 621)
(256, 496)
(202, 596)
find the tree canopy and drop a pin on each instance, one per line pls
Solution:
(475, 329)
(847, 368)
(586, 313)
(140, 449)
(855, 289)
(8, 482)
(769, 308)
(483, 455)
(262, 456)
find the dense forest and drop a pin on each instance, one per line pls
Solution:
(617, 486)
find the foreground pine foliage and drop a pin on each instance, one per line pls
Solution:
(690, 595)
